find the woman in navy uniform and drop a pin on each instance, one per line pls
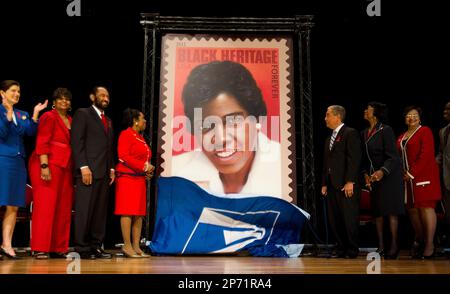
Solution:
(14, 125)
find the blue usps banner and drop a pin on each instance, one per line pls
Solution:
(189, 220)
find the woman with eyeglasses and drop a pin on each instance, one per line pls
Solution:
(422, 182)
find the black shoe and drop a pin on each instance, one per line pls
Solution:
(417, 250)
(351, 255)
(13, 257)
(392, 255)
(87, 255)
(41, 255)
(58, 255)
(380, 251)
(429, 256)
(1, 257)
(337, 254)
(100, 253)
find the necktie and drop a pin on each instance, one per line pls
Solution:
(333, 137)
(105, 123)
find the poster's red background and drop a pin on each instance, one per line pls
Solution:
(262, 73)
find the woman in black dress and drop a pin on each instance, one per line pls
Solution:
(382, 172)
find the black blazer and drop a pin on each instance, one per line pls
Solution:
(380, 150)
(341, 164)
(91, 145)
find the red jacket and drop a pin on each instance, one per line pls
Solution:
(419, 161)
(53, 138)
(133, 152)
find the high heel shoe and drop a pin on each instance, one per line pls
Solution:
(41, 255)
(13, 257)
(144, 255)
(60, 255)
(392, 255)
(380, 251)
(430, 256)
(126, 254)
(140, 252)
(417, 250)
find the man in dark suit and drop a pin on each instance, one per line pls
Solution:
(443, 159)
(92, 148)
(342, 157)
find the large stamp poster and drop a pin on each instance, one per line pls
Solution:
(226, 119)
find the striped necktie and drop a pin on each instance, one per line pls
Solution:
(333, 137)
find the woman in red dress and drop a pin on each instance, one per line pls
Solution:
(51, 176)
(132, 170)
(422, 182)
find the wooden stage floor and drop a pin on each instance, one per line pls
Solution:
(226, 265)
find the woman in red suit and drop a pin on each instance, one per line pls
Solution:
(422, 183)
(51, 177)
(132, 170)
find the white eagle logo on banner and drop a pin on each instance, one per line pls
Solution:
(238, 233)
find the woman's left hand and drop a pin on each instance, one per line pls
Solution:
(406, 177)
(150, 169)
(46, 174)
(149, 176)
(39, 107)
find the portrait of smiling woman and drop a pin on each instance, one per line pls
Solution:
(235, 156)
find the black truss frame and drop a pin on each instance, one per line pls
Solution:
(299, 27)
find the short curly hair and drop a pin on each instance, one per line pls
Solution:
(412, 107)
(380, 111)
(129, 116)
(206, 81)
(61, 92)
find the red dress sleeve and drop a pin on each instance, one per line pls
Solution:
(126, 141)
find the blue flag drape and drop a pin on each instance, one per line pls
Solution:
(190, 220)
